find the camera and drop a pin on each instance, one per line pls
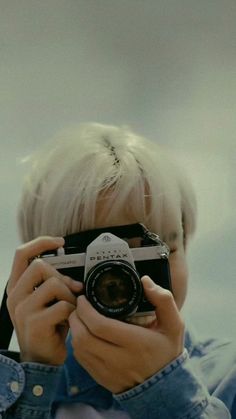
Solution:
(110, 262)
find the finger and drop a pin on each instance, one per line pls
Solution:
(82, 340)
(80, 333)
(75, 286)
(52, 290)
(85, 344)
(111, 330)
(28, 251)
(59, 312)
(36, 274)
(166, 310)
(75, 324)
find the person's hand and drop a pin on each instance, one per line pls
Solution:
(119, 355)
(40, 301)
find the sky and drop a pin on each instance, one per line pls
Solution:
(166, 69)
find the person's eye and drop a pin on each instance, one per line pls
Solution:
(173, 251)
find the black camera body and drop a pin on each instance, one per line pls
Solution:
(111, 270)
(110, 262)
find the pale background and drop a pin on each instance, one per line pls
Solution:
(167, 69)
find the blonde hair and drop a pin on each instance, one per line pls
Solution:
(94, 163)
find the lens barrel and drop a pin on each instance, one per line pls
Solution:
(114, 288)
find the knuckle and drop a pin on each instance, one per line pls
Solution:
(9, 288)
(10, 303)
(10, 293)
(167, 296)
(63, 305)
(38, 265)
(65, 279)
(54, 282)
(65, 308)
(20, 251)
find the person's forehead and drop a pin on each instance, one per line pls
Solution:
(108, 214)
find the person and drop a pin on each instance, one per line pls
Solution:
(74, 361)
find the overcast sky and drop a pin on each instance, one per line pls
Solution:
(167, 69)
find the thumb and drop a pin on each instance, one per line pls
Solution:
(162, 299)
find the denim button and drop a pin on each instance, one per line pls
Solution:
(37, 390)
(14, 386)
(74, 390)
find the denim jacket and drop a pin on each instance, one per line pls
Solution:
(200, 384)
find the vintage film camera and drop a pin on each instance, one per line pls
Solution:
(110, 262)
(110, 267)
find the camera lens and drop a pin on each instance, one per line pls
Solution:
(114, 288)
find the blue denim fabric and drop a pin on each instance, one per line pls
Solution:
(200, 383)
(17, 388)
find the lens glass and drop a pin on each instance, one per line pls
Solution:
(114, 287)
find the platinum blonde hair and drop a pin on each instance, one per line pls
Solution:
(101, 166)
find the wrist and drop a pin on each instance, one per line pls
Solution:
(174, 387)
(49, 359)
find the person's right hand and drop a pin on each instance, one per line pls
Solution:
(40, 300)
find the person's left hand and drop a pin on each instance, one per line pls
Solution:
(119, 355)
